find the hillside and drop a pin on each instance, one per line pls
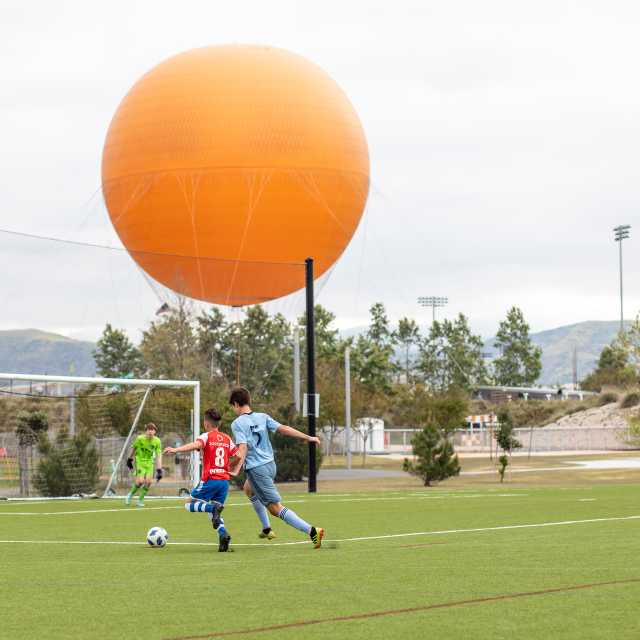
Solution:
(34, 351)
(588, 338)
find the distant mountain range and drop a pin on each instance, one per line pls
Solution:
(587, 338)
(34, 351)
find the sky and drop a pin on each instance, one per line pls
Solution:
(503, 140)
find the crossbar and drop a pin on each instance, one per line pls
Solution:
(82, 380)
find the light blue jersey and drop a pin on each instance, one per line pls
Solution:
(253, 429)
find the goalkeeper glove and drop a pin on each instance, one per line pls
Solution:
(159, 475)
(130, 463)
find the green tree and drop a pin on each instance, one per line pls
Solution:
(116, 356)
(169, 346)
(330, 382)
(372, 355)
(451, 356)
(408, 336)
(614, 364)
(30, 425)
(327, 339)
(217, 342)
(435, 456)
(67, 465)
(519, 363)
(506, 441)
(255, 351)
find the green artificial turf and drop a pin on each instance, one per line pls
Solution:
(115, 591)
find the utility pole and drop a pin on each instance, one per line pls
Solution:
(296, 367)
(312, 409)
(347, 404)
(621, 233)
(433, 302)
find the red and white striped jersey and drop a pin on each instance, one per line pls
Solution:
(218, 448)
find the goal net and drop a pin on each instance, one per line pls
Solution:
(64, 436)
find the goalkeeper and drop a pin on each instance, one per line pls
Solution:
(146, 449)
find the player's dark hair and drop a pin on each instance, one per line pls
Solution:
(150, 425)
(240, 396)
(212, 416)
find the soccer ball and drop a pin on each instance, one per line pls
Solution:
(157, 537)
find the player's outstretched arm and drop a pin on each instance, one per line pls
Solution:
(192, 446)
(294, 433)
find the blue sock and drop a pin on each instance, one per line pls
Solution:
(222, 532)
(198, 506)
(261, 512)
(291, 518)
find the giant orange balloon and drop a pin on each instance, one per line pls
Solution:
(225, 167)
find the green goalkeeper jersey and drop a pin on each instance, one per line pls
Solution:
(146, 449)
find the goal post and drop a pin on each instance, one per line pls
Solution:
(64, 435)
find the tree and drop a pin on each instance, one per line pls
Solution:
(364, 426)
(116, 356)
(519, 363)
(330, 381)
(614, 364)
(408, 336)
(435, 457)
(451, 356)
(31, 426)
(169, 346)
(372, 355)
(506, 441)
(68, 465)
(327, 339)
(217, 342)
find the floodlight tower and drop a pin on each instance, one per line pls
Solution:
(433, 302)
(621, 233)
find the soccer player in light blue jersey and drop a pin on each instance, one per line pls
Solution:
(251, 434)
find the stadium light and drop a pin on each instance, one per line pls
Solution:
(433, 302)
(621, 233)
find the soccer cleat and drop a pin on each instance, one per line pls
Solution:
(316, 536)
(269, 534)
(140, 503)
(127, 500)
(215, 515)
(224, 543)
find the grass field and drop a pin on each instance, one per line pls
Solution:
(494, 562)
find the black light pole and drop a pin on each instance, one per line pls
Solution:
(311, 373)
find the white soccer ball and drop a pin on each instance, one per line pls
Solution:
(157, 537)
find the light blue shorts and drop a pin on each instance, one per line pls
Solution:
(262, 482)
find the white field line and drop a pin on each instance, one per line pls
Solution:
(508, 527)
(247, 503)
(14, 502)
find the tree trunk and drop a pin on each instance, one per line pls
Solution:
(23, 467)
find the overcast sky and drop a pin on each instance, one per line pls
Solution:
(503, 135)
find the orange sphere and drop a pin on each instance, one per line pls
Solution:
(225, 167)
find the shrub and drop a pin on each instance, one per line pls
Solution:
(30, 425)
(630, 400)
(506, 441)
(292, 458)
(68, 465)
(436, 460)
(607, 398)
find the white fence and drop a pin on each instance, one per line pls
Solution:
(537, 440)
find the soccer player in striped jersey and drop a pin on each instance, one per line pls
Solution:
(216, 449)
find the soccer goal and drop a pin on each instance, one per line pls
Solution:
(66, 436)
